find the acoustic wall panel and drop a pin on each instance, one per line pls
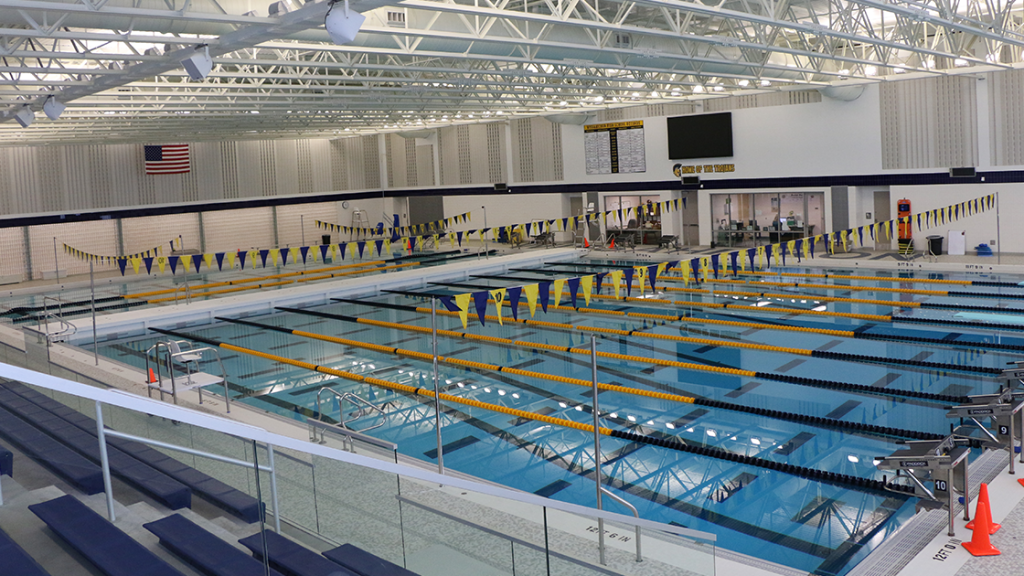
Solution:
(536, 150)
(320, 165)
(238, 229)
(929, 123)
(472, 154)
(1006, 117)
(409, 159)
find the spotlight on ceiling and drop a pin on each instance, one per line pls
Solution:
(199, 64)
(25, 116)
(342, 24)
(53, 108)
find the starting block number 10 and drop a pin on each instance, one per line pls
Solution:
(941, 485)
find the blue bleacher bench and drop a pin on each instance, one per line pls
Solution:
(202, 550)
(6, 462)
(216, 492)
(363, 563)
(61, 460)
(15, 561)
(292, 559)
(112, 551)
(157, 485)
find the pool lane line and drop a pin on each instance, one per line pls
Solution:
(843, 356)
(24, 310)
(890, 279)
(916, 291)
(481, 366)
(670, 442)
(843, 300)
(281, 283)
(812, 382)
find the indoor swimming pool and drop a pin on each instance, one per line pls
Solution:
(749, 406)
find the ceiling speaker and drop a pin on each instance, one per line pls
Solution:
(342, 24)
(25, 116)
(52, 108)
(199, 64)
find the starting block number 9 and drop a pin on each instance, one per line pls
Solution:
(941, 485)
(1004, 430)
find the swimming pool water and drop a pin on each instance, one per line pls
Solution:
(784, 518)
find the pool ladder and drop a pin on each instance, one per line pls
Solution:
(349, 436)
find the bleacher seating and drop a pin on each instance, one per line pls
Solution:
(15, 561)
(112, 551)
(159, 486)
(363, 563)
(292, 559)
(216, 492)
(6, 462)
(63, 461)
(202, 550)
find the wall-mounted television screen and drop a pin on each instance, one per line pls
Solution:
(700, 136)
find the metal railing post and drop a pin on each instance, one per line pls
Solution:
(437, 391)
(92, 290)
(273, 488)
(104, 463)
(597, 447)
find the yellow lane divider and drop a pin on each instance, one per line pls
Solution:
(282, 283)
(869, 278)
(891, 303)
(814, 286)
(402, 387)
(468, 363)
(251, 280)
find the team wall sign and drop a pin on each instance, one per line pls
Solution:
(615, 147)
(680, 170)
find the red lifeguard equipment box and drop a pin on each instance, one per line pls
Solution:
(903, 211)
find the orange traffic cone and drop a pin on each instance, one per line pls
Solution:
(152, 376)
(612, 245)
(586, 243)
(983, 499)
(980, 545)
(1021, 482)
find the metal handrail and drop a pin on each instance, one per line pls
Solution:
(342, 397)
(620, 500)
(170, 363)
(68, 329)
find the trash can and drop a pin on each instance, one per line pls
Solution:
(326, 239)
(935, 245)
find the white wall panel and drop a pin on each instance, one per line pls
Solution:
(285, 155)
(293, 221)
(12, 246)
(150, 231)
(425, 165)
(99, 237)
(239, 229)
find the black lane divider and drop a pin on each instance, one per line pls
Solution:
(123, 305)
(24, 310)
(675, 443)
(986, 295)
(424, 255)
(902, 361)
(812, 382)
(472, 255)
(967, 323)
(985, 283)
(414, 294)
(936, 305)
(939, 341)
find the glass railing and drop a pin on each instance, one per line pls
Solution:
(407, 515)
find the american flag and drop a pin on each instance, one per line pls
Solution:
(168, 159)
